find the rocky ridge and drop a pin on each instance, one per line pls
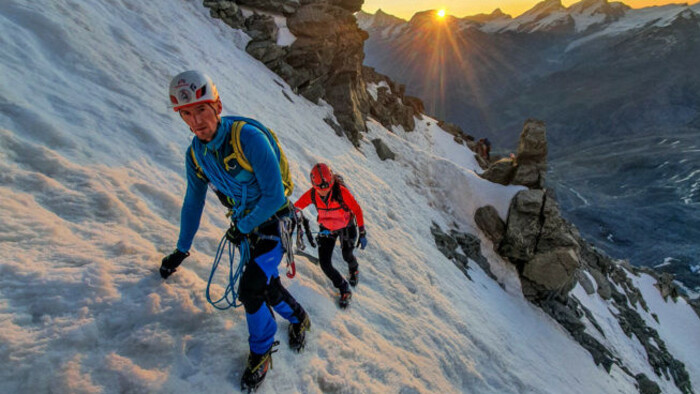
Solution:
(552, 258)
(324, 60)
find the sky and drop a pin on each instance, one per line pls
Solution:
(459, 8)
(92, 164)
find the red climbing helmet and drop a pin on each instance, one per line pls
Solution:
(321, 176)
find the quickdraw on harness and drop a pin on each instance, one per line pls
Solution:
(303, 227)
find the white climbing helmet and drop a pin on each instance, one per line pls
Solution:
(192, 87)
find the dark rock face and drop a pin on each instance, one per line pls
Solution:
(325, 60)
(646, 385)
(390, 107)
(542, 245)
(490, 223)
(383, 151)
(531, 155)
(502, 171)
(529, 166)
(470, 244)
(227, 11)
(551, 258)
(523, 226)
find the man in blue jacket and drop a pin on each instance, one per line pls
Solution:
(258, 202)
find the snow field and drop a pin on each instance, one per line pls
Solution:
(92, 165)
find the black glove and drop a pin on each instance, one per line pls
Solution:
(362, 240)
(170, 263)
(234, 235)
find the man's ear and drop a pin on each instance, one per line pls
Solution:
(218, 107)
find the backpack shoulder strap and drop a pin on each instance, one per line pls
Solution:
(237, 153)
(339, 197)
(197, 168)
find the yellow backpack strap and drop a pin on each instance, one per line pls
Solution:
(245, 164)
(284, 168)
(237, 147)
(197, 168)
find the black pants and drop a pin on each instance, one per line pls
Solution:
(326, 244)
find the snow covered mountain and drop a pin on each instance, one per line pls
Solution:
(606, 79)
(92, 181)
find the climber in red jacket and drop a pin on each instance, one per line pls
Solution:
(339, 216)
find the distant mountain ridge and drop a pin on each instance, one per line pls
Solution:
(601, 75)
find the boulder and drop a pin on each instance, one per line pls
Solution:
(261, 28)
(555, 232)
(523, 225)
(553, 270)
(646, 385)
(529, 166)
(490, 223)
(383, 151)
(328, 55)
(501, 171)
(227, 11)
(531, 155)
(532, 146)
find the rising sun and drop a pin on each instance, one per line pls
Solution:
(441, 13)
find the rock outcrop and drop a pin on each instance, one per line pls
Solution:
(541, 244)
(529, 165)
(552, 257)
(459, 135)
(383, 151)
(325, 59)
(390, 106)
(469, 244)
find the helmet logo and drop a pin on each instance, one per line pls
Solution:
(184, 95)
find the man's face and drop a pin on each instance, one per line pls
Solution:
(203, 119)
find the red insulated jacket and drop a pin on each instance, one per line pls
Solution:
(332, 215)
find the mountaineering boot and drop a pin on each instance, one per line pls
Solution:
(345, 297)
(354, 277)
(256, 369)
(297, 333)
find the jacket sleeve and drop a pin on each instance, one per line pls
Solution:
(192, 206)
(266, 167)
(303, 201)
(349, 200)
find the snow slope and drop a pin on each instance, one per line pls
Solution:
(92, 165)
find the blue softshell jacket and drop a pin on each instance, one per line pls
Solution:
(265, 193)
(264, 196)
